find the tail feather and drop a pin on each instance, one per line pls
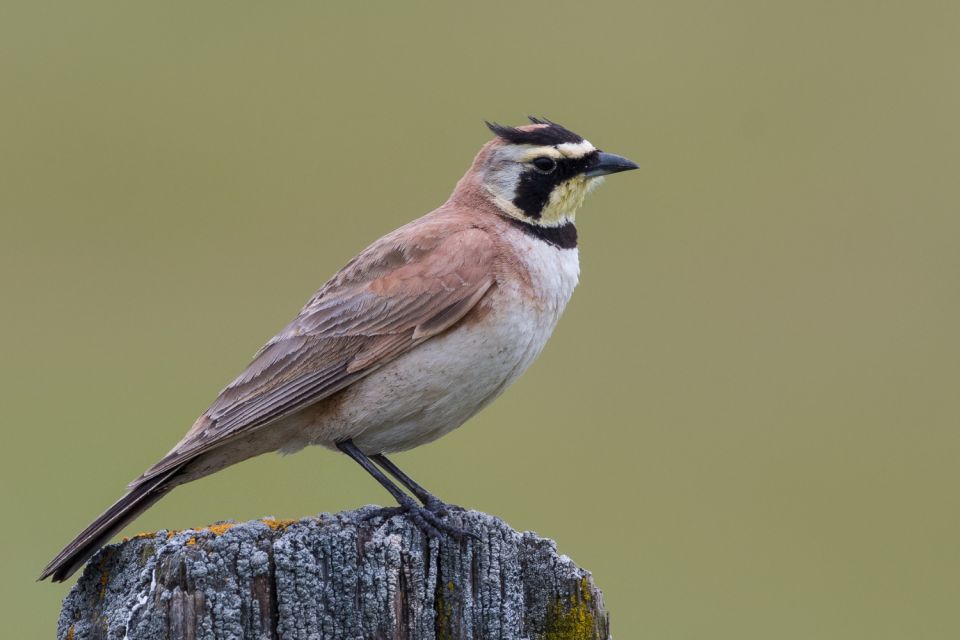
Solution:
(137, 500)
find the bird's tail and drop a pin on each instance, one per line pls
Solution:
(137, 500)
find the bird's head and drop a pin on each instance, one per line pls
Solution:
(540, 173)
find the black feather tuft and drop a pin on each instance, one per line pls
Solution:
(550, 134)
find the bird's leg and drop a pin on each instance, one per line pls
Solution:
(430, 501)
(426, 520)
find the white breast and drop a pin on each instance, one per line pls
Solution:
(438, 385)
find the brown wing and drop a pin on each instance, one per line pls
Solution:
(404, 289)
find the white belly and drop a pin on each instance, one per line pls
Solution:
(440, 384)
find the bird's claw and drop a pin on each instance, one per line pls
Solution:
(437, 506)
(428, 518)
(441, 508)
(433, 525)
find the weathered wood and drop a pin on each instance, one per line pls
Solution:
(334, 576)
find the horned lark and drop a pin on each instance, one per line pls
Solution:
(410, 339)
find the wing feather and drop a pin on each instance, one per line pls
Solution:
(406, 288)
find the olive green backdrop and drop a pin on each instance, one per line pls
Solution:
(746, 424)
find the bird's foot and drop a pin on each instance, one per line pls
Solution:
(439, 507)
(428, 518)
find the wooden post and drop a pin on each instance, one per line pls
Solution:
(334, 576)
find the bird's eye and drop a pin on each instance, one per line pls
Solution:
(545, 164)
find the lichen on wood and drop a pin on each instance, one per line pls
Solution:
(339, 576)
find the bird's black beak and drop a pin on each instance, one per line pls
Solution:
(607, 163)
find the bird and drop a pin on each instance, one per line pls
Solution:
(414, 336)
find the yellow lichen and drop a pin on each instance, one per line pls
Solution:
(216, 529)
(104, 572)
(444, 611)
(145, 534)
(220, 528)
(277, 525)
(573, 619)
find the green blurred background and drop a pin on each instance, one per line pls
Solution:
(746, 424)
